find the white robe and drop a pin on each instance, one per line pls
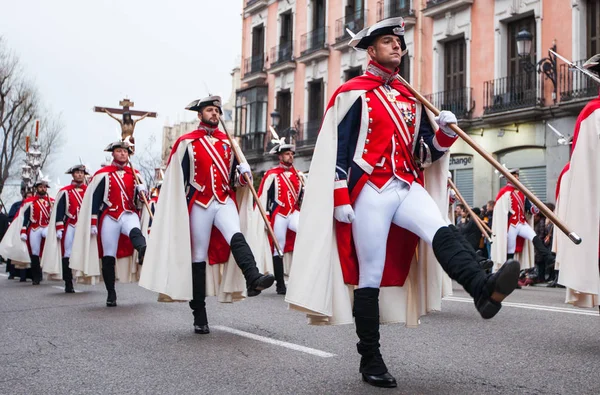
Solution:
(316, 285)
(51, 260)
(12, 247)
(580, 210)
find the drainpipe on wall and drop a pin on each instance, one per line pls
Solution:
(420, 45)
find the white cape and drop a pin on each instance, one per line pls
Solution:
(168, 260)
(12, 247)
(500, 237)
(51, 260)
(316, 285)
(580, 211)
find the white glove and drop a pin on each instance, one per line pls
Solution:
(244, 168)
(94, 230)
(24, 236)
(344, 213)
(444, 120)
(44, 232)
(59, 234)
(141, 188)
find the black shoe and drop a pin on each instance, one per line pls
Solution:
(385, 380)
(281, 290)
(201, 329)
(11, 276)
(498, 286)
(111, 300)
(23, 280)
(69, 287)
(35, 282)
(260, 284)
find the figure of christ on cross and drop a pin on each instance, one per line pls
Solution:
(127, 122)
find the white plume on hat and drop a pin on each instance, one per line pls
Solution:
(280, 143)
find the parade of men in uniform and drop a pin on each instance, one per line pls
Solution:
(280, 191)
(111, 206)
(59, 242)
(199, 186)
(368, 238)
(365, 158)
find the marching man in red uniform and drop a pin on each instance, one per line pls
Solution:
(36, 218)
(364, 175)
(59, 243)
(279, 192)
(513, 233)
(197, 223)
(111, 207)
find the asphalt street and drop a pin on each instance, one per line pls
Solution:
(57, 343)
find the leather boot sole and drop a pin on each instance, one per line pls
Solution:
(385, 380)
(262, 283)
(201, 329)
(505, 281)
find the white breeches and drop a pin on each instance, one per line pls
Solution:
(224, 216)
(410, 208)
(112, 230)
(68, 240)
(281, 226)
(523, 230)
(35, 239)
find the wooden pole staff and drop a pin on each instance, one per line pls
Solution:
(242, 159)
(464, 203)
(138, 182)
(463, 135)
(474, 216)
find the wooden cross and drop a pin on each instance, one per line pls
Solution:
(126, 104)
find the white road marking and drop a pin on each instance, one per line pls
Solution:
(63, 288)
(3, 275)
(567, 310)
(280, 343)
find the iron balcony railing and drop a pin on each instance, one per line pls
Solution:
(459, 101)
(513, 92)
(310, 131)
(254, 64)
(394, 8)
(575, 85)
(354, 22)
(253, 143)
(250, 2)
(281, 53)
(314, 40)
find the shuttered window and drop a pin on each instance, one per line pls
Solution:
(463, 178)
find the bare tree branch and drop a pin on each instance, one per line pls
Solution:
(147, 161)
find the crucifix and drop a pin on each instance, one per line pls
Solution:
(127, 123)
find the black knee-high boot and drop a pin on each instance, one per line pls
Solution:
(67, 276)
(458, 261)
(36, 269)
(108, 274)
(366, 319)
(22, 275)
(139, 243)
(255, 282)
(198, 303)
(279, 276)
(10, 269)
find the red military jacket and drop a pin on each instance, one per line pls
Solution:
(207, 166)
(519, 205)
(68, 205)
(283, 190)
(390, 124)
(38, 214)
(115, 194)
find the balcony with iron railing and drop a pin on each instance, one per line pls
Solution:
(514, 92)
(309, 133)
(313, 45)
(459, 101)
(395, 8)
(282, 57)
(254, 68)
(574, 85)
(252, 144)
(354, 22)
(436, 8)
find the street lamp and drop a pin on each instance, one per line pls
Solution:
(546, 65)
(275, 119)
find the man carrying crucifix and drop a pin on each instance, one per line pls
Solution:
(112, 231)
(378, 184)
(197, 223)
(127, 122)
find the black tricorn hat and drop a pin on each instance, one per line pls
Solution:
(199, 104)
(366, 37)
(80, 167)
(120, 144)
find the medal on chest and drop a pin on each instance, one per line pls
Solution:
(406, 110)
